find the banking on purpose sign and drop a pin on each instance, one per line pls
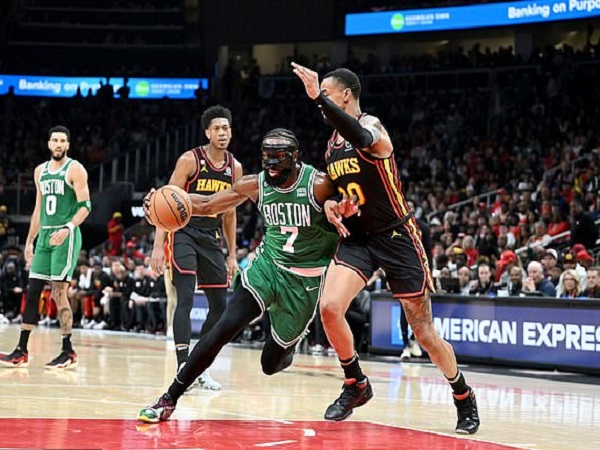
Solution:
(463, 17)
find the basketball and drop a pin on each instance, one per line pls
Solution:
(170, 208)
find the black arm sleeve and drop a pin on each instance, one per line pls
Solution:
(346, 125)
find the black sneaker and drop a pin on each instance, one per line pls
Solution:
(18, 358)
(66, 360)
(468, 418)
(160, 411)
(353, 395)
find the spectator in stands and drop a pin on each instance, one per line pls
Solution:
(515, 284)
(554, 275)
(508, 259)
(570, 262)
(570, 286)
(484, 284)
(583, 227)
(593, 283)
(115, 234)
(118, 294)
(549, 260)
(12, 284)
(4, 226)
(468, 245)
(464, 278)
(535, 283)
(584, 259)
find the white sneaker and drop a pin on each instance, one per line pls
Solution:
(316, 349)
(3, 320)
(405, 354)
(18, 319)
(90, 324)
(331, 352)
(44, 322)
(100, 326)
(415, 350)
(205, 381)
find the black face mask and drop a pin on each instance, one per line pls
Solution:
(280, 158)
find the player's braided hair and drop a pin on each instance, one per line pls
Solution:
(215, 112)
(282, 133)
(346, 78)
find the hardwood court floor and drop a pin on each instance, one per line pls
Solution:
(94, 406)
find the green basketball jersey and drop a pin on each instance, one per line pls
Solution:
(297, 233)
(59, 202)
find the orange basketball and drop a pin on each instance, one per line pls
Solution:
(170, 208)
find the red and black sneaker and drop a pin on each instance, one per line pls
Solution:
(66, 360)
(18, 358)
(468, 417)
(353, 395)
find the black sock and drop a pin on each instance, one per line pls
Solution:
(66, 345)
(176, 390)
(182, 352)
(352, 368)
(24, 339)
(458, 384)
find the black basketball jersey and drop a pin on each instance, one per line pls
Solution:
(206, 181)
(373, 180)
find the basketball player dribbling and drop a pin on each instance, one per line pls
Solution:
(285, 279)
(195, 255)
(360, 162)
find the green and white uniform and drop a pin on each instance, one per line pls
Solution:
(287, 276)
(59, 205)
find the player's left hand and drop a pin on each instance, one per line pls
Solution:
(59, 236)
(232, 267)
(310, 78)
(146, 206)
(349, 206)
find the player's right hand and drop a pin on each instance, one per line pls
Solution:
(29, 254)
(146, 206)
(158, 259)
(332, 211)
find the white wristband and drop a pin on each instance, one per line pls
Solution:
(70, 226)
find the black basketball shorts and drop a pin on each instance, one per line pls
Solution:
(398, 251)
(198, 252)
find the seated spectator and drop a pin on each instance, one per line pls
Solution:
(464, 277)
(570, 286)
(554, 275)
(535, 283)
(483, 285)
(584, 259)
(549, 260)
(515, 284)
(593, 283)
(570, 262)
(470, 250)
(508, 259)
(12, 284)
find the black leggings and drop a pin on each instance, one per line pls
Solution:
(185, 286)
(241, 309)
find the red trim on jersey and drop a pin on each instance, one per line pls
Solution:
(223, 167)
(173, 261)
(351, 267)
(208, 286)
(196, 173)
(388, 189)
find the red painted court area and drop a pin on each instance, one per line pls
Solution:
(222, 435)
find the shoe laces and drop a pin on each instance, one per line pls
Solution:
(465, 406)
(17, 352)
(349, 392)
